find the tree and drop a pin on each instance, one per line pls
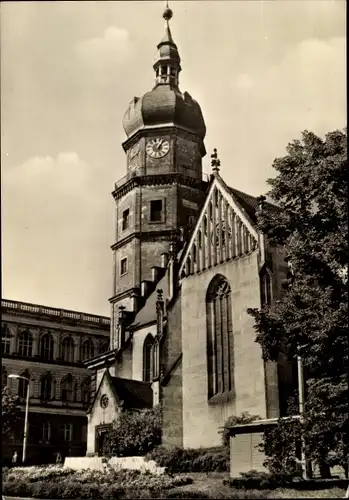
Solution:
(310, 318)
(135, 433)
(10, 414)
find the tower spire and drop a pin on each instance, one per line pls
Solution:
(167, 60)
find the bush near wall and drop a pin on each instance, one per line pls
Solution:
(135, 433)
(191, 460)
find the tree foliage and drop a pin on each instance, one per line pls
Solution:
(10, 412)
(310, 318)
(135, 433)
(244, 418)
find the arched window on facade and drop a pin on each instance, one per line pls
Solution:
(3, 377)
(220, 348)
(25, 344)
(5, 339)
(46, 346)
(147, 355)
(68, 388)
(86, 390)
(156, 359)
(103, 346)
(68, 349)
(46, 387)
(266, 288)
(87, 349)
(23, 384)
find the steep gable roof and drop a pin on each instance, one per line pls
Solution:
(134, 393)
(230, 217)
(147, 314)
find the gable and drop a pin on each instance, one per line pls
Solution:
(224, 230)
(105, 388)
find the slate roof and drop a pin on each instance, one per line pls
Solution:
(133, 393)
(148, 312)
(249, 203)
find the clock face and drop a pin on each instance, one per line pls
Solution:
(134, 150)
(157, 148)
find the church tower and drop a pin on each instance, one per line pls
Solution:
(163, 189)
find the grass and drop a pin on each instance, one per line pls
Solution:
(211, 485)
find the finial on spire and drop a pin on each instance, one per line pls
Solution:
(167, 15)
(215, 162)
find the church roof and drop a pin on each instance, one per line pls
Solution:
(249, 203)
(134, 393)
(148, 312)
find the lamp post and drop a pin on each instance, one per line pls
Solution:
(25, 438)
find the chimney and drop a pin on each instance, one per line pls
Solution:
(155, 273)
(144, 288)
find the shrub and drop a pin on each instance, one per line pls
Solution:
(88, 484)
(259, 480)
(135, 433)
(190, 460)
(279, 446)
(244, 418)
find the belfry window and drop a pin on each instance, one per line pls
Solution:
(156, 214)
(123, 266)
(220, 349)
(125, 219)
(163, 70)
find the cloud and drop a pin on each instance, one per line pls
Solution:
(57, 229)
(114, 42)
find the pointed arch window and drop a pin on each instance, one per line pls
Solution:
(156, 359)
(68, 349)
(68, 388)
(46, 346)
(266, 288)
(86, 390)
(220, 348)
(23, 384)
(46, 387)
(5, 339)
(25, 344)
(87, 350)
(147, 355)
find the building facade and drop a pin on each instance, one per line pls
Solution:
(189, 260)
(48, 347)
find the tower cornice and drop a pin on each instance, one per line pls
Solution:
(157, 180)
(171, 128)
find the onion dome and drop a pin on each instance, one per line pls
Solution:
(165, 104)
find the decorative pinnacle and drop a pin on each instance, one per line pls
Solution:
(215, 162)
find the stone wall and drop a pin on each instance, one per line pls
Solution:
(201, 419)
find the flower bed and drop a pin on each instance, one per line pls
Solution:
(59, 483)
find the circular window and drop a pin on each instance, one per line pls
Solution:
(104, 401)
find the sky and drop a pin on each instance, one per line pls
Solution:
(262, 71)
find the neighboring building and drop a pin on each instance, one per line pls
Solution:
(48, 346)
(188, 262)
